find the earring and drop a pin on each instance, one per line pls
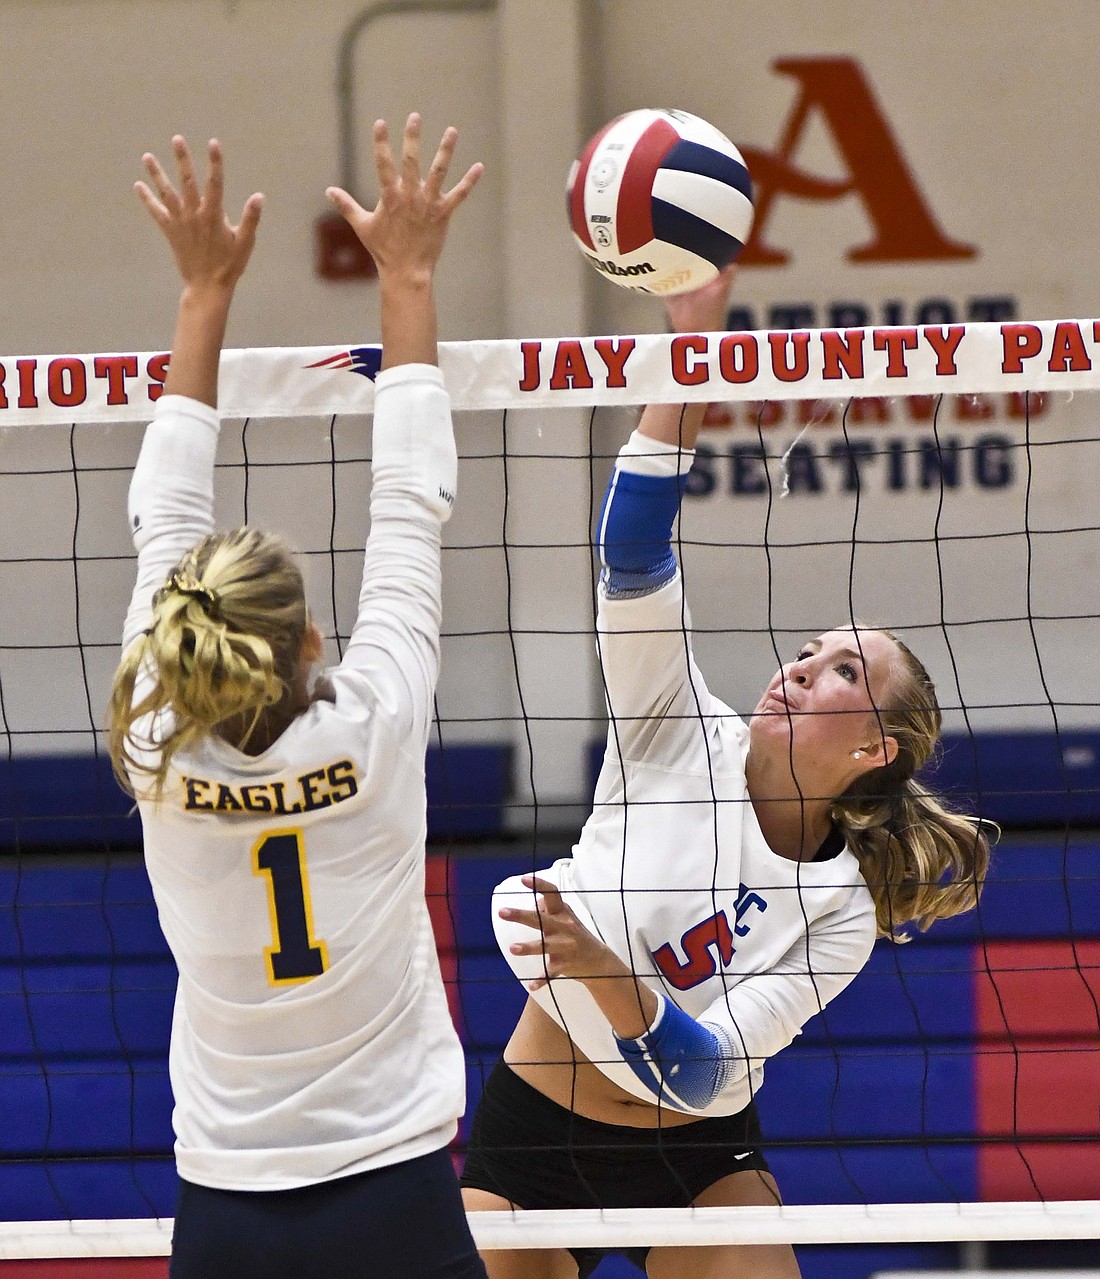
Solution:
(857, 754)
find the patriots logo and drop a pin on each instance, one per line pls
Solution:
(364, 360)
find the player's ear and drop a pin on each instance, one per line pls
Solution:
(877, 753)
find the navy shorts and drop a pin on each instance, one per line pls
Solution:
(401, 1222)
(537, 1154)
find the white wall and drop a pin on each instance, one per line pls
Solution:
(989, 108)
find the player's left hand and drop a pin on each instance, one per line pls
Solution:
(567, 947)
(406, 230)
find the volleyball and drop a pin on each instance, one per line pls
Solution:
(660, 201)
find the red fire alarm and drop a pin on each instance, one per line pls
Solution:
(338, 252)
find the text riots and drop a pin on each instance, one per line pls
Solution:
(70, 381)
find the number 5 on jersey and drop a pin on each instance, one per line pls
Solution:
(280, 856)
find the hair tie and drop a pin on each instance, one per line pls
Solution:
(186, 583)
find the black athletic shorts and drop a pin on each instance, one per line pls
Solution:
(401, 1222)
(537, 1154)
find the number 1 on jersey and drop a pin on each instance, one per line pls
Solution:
(295, 956)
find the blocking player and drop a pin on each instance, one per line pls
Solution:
(316, 1073)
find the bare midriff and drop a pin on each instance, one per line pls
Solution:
(544, 1056)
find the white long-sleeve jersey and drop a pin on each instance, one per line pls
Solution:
(311, 1037)
(672, 871)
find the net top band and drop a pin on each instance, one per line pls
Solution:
(1050, 355)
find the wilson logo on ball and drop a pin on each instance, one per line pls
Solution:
(620, 272)
(671, 196)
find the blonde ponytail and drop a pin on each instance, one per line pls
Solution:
(921, 861)
(222, 650)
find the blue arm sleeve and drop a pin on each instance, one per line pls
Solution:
(681, 1061)
(634, 535)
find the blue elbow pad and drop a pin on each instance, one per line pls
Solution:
(634, 534)
(681, 1061)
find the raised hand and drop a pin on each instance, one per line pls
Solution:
(208, 248)
(406, 230)
(211, 255)
(702, 310)
(405, 234)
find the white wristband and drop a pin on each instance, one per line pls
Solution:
(642, 455)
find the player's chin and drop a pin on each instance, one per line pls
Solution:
(768, 723)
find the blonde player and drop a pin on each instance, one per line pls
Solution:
(317, 1076)
(731, 881)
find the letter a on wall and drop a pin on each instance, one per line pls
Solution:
(905, 227)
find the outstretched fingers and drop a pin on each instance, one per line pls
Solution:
(410, 152)
(440, 167)
(215, 175)
(162, 198)
(159, 196)
(213, 198)
(209, 249)
(405, 230)
(345, 204)
(185, 166)
(157, 211)
(250, 220)
(433, 183)
(409, 176)
(383, 157)
(462, 188)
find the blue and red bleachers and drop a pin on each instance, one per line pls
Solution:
(964, 1065)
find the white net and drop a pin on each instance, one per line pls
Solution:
(938, 480)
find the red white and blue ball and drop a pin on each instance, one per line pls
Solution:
(660, 201)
